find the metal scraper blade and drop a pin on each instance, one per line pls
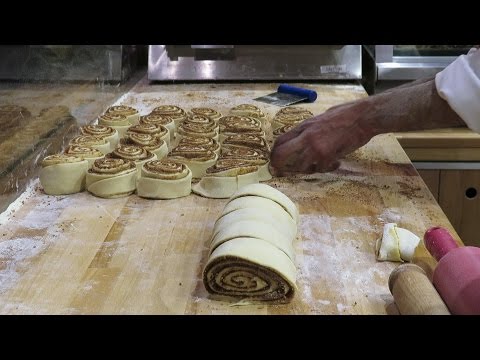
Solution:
(281, 99)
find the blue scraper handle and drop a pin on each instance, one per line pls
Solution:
(288, 89)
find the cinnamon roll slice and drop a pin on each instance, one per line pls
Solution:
(247, 140)
(177, 114)
(205, 142)
(197, 158)
(106, 132)
(95, 142)
(224, 178)
(250, 269)
(156, 130)
(112, 178)
(252, 156)
(250, 110)
(290, 115)
(148, 142)
(117, 121)
(63, 174)
(283, 129)
(134, 153)
(234, 124)
(192, 129)
(208, 112)
(85, 152)
(159, 119)
(129, 112)
(164, 179)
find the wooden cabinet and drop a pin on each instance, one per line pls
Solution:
(458, 194)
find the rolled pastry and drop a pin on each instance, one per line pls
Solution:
(253, 156)
(156, 130)
(205, 142)
(250, 110)
(112, 178)
(290, 115)
(226, 177)
(234, 124)
(250, 268)
(95, 142)
(210, 113)
(269, 192)
(132, 115)
(177, 114)
(63, 174)
(253, 229)
(164, 179)
(117, 121)
(191, 129)
(148, 142)
(85, 152)
(197, 158)
(106, 132)
(133, 153)
(283, 129)
(158, 119)
(247, 140)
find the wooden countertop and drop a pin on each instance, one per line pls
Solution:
(80, 254)
(453, 144)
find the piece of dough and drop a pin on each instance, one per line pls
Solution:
(95, 142)
(396, 244)
(164, 179)
(148, 142)
(112, 178)
(280, 220)
(204, 142)
(408, 242)
(63, 174)
(159, 119)
(117, 121)
(253, 156)
(250, 268)
(225, 177)
(290, 115)
(197, 129)
(250, 110)
(197, 158)
(156, 130)
(132, 115)
(211, 113)
(85, 152)
(253, 229)
(247, 140)
(106, 132)
(133, 153)
(269, 192)
(283, 129)
(176, 113)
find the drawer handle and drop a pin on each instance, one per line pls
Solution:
(471, 193)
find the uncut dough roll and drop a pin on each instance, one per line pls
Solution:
(250, 110)
(163, 120)
(112, 178)
(132, 114)
(253, 229)
(106, 132)
(95, 142)
(63, 174)
(85, 152)
(252, 156)
(204, 142)
(164, 179)
(197, 158)
(148, 142)
(156, 130)
(250, 268)
(210, 113)
(133, 153)
(117, 121)
(176, 113)
(226, 177)
(269, 192)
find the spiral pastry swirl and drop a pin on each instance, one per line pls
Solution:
(196, 152)
(148, 142)
(249, 110)
(156, 130)
(195, 129)
(202, 120)
(234, 124)
(206, 142)
(231, 167)
(106, 132)
(96, 142)
(176, 113)
(113, 119)
(112, 166)
(112, 177)
(283, 129)
(156, 119)
(129, 112)
(166, 169)
(83, 152)
(60, 159)
(130, 152)
(295, 111)
(247, 140)
(63, 174)
(253, 156)
(208, 112)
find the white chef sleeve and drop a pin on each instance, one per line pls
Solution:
(459, 85)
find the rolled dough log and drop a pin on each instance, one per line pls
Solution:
(132, 115)
(85, 152)
(63, 174)
(106, 132)
(96, 142)
(112, 178)
(163, 120)
(176, 113)
(117, 121)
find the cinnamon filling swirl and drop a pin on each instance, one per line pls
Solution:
(203, 141)
(131, 152)
(231, 167)
(193, 152)
(112, 166)
(166, 169)
(247, 140)
(208, 112)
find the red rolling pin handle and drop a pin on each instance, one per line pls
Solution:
(439, 242)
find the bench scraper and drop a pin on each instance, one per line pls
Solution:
(288, 95)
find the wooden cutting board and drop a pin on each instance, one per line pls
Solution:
(80, 254)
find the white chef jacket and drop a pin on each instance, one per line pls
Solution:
(459, 85)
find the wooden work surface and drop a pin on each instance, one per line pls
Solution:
(80, 254)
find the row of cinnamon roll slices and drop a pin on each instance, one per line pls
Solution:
(157, 155)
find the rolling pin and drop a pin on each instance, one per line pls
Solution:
(457, 275)
(413, 292)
